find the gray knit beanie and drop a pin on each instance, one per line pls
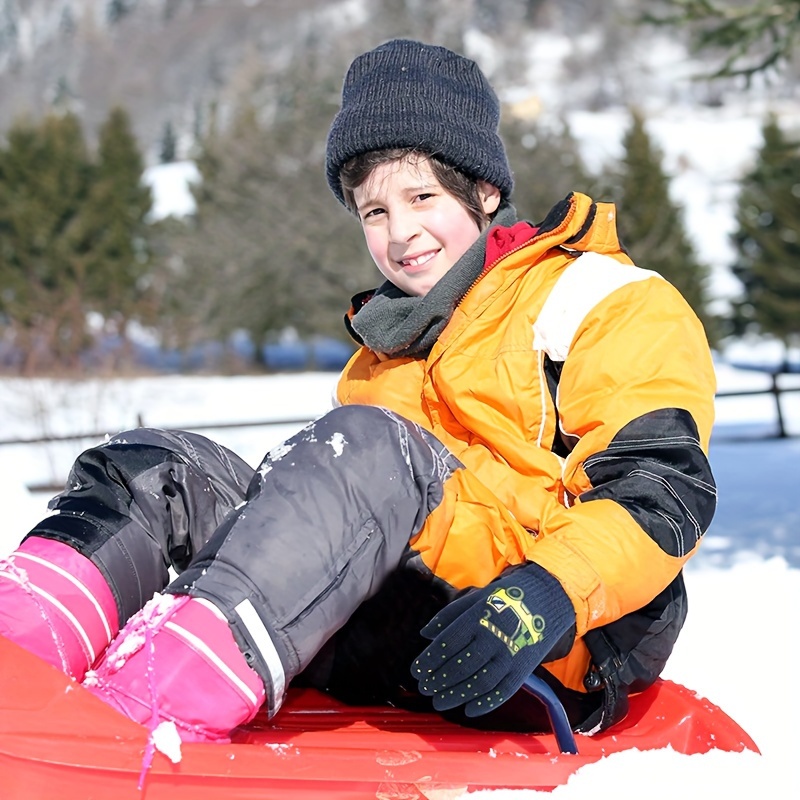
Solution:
(409, 94)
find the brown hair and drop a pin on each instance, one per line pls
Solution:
(456, 183)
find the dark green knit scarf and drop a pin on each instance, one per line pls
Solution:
(398, 324)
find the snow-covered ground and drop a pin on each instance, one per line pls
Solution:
(738, 648)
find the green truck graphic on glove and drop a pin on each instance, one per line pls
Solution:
(529, 626)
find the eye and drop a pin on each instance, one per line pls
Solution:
(425, 196)
(372, 213)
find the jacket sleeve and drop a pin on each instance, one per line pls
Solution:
(635, 402)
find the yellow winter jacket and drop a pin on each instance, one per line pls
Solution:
(578, 392)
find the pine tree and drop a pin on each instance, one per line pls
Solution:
(116, 225)
(169, 144)
(751, 37)
(651, 223)
(768, 240)
(116, 10)
(44, 182)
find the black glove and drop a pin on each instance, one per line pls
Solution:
(488, 641)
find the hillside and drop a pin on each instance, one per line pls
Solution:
(173, 62)
(166, 61)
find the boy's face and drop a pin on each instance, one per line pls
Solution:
(414, 230)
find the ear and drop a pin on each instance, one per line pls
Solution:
(490, 197)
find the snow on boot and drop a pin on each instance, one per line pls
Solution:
(177, 661)
(56, 603)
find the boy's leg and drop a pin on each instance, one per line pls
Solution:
(177, 660)
(55, 603)
(145, 500)
(328, 517)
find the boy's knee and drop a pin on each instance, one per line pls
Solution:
(369, 424)
(359, 418)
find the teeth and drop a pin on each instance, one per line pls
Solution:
(416, 262)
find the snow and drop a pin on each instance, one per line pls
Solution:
(171, 186)
(167, 740)
(738, 648)
(337, 442)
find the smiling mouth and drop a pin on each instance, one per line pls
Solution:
(417, 262)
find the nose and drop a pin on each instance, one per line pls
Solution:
(403, 226)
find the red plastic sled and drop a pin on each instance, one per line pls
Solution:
(57, 741)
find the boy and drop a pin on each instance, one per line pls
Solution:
(513, 481)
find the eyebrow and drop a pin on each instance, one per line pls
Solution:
(408, 190)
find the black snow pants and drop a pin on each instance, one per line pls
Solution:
(307, 545)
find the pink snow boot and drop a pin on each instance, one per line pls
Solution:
(177, 661)
(56, 603)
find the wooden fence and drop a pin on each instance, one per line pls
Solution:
(774, 389)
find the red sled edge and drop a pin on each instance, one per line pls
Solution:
(59, 741)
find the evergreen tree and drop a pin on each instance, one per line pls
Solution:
(768, 240)
(44, 183)
(169, 144)
(651, 223)
(116, 225)
(117, 9)
(752, 37)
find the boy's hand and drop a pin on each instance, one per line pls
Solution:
(488, 641)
